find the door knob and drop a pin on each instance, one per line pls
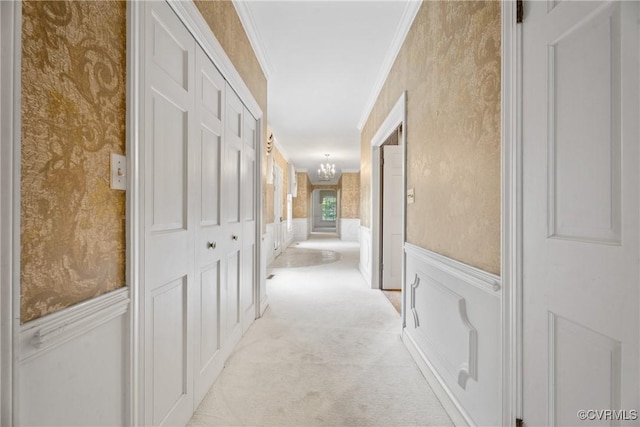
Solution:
(211, 245)
(234, 237)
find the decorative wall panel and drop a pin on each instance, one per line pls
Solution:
(73, 117)
(450, 67)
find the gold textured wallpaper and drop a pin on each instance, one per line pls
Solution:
(222, 18)
(73, 117)
(450, 67)
(301, 201)
(350, 195)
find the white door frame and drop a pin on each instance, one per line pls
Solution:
(10, 124)
(397, 116)
(511, 214)
(190, 16)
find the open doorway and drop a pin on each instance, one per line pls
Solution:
(325, 211)
(388, 205)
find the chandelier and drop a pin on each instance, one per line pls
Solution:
(327, 170)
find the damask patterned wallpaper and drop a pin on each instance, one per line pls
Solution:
(73, 117)
(450, 67)
(350, 195)
(301, 201)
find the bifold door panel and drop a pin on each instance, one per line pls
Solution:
(199, 169)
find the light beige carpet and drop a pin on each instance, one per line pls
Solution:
(327, 352)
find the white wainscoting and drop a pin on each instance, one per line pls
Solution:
(350, 229)
(300, 229)
(267, 247)
(453, 320)
(287, 235)
(74, 364)
(365, 253)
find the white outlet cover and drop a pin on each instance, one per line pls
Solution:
(118, 172)
(411, 196)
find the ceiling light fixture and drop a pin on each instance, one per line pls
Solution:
(327, 170)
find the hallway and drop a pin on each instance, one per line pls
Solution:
(326, 352)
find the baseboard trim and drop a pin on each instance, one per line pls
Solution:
(365, 274)
(46, 333)
(454, 409)
(264, 304)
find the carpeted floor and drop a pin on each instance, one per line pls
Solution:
(326, 352)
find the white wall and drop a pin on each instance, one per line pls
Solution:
(349, 229)
(365, 254)
(74, 363)
(300, 229)
(453, 329)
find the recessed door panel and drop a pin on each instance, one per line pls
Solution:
(581, 228)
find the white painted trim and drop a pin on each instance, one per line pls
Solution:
(406, 20)
(281, 150)
(349, 170)
(481, 279)
(255, 38)
(260, 274)
(10, 89)
(511, 216)
(396, 117)
(451, 405)
(365, 242)
(134, 260)
(191, 17)
(48, 332)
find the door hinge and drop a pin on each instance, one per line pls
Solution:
(519, 422)
(381, 267)
(519, 11)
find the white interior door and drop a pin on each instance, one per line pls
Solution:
(278, 183)
(249, 250)
(392, 200)
(580, 210)
(209, 246)
(232, 218)
(168, 237)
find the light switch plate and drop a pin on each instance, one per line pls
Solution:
(118, 172)
(411, 196)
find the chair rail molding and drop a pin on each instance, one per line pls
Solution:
(48, 332)
(474, 276)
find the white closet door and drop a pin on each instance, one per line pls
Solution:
(232, 219)
(168, 239)
(248, 276)
(580, 219)
(209, 247)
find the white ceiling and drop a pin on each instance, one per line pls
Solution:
(324, 61)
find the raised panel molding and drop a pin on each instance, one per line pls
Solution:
(584, 151)
(49, 332)
(457, 347)
(414, 286)
(581, 359)
(300, 229)
(481, 279)
(453, 320)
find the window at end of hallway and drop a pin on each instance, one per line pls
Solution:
(329, 208)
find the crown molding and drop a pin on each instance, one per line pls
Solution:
(281, 150)
(249, 24)
(408, 15)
